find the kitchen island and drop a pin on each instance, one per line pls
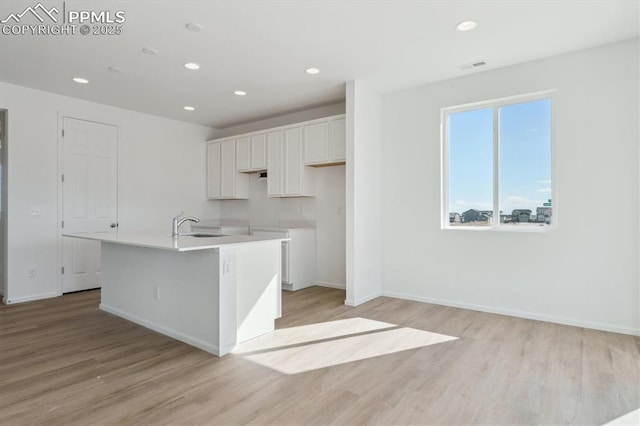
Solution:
(211, 292)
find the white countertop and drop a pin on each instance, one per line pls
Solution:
(159, 240)
(285, 225)
(279, 228)
(221, 223)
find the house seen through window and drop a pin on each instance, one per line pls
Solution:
(497, 164)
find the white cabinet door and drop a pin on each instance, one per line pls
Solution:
(213, 171)
(293, 167)
(286, 174)
(223, 181)
(227, 169)
(251, 153)
(324, 141)
(316, 143)
(258, 152)
(243, 154)
(274, 164)
(337, 140)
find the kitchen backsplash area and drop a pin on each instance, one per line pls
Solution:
(325, 209)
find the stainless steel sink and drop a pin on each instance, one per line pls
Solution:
(200, 235)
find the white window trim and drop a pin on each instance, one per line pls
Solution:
(495, 104)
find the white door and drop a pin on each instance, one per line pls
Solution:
(90, 197)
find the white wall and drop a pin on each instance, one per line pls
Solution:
(364, 180)
(161, 171)
(586, 271)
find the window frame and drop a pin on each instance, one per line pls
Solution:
(495, 105)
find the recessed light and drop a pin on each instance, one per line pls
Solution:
(192, 66)
(312, 70)
(80, 80)
(466, 25)
(240, 93)
(149, 51)
(196, 28)
(115, 69)
(189, 108)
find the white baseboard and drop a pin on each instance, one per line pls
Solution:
(330, 285)
(517, 313)
(213, 349)
(288, 287)
(31, 298)
(360, 301)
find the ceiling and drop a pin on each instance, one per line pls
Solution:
(263, 48)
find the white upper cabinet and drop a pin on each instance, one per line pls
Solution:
(337, 140)
(227, 169)
(293, 167)
(251, 153)
(324, 141)
(289, 154)
(243, 154)
(287, 176)
(223, 181)
(213, 171)
(258, 152)
(316, 143)
(275, 186)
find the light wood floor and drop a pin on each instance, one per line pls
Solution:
(64, 361)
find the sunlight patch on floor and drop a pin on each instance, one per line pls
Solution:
(313, 356)
(310, 333)
(631, 418)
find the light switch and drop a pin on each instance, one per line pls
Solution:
(34, 212)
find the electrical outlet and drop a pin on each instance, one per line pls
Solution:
(34, 212)
(226, 267)
(32, 272)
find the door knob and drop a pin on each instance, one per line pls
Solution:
(114, 225)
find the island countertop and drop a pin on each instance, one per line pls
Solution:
(164, 241)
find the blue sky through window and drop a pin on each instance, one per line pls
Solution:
(471, 160)
(524, 158)
(525, 155)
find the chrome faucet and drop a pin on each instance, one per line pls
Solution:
(179, 220)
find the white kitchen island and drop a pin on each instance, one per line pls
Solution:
(212, 293)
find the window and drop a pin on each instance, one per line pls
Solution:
(497, 164)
